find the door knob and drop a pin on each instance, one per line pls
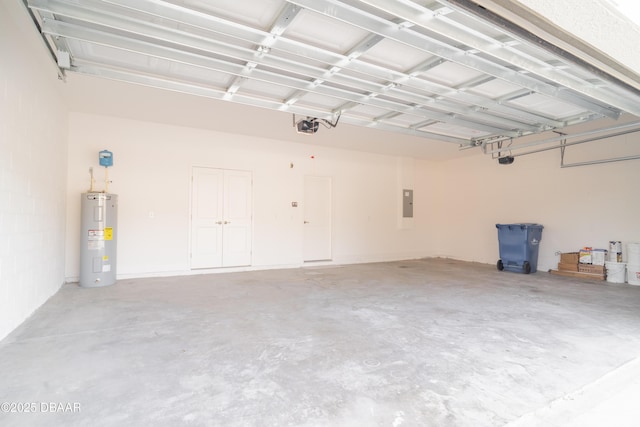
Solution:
(306, 222)
(227, 222)
(218, 222)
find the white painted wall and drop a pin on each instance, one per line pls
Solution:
(33, 125)
(152, 170)
(458, 202)
(583, 206)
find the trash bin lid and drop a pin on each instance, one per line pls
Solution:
(521, 225)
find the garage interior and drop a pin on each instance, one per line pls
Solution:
(343, 302)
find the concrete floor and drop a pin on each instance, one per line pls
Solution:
(415, 343)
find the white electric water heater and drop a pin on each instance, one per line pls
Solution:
(98, 239)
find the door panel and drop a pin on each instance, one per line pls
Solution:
(207, 217)
(221, 218)
(317, 218)
(237, 227)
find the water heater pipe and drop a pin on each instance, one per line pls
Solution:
(91, 187)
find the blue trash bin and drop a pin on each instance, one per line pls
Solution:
(519, 247)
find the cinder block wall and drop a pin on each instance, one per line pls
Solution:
(33, 168)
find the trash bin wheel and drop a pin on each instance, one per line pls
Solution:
(500, 265)
(527, 267)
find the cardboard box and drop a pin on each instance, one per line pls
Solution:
(567, 267)
(598, 256)
(569, 258)
(591, 269)
(598, 277)
(585, 255)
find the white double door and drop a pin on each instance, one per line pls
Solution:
(220, 218)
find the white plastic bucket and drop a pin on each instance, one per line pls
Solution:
(615, 271)
(633, 274)
(615, 251)
(633, 253)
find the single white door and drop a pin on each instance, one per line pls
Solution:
(237, 219)
(207, 201)
(221, 218)
(317, 218)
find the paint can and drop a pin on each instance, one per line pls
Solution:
(615, 251)
(633, 274)
(633, 253)
(615, 271)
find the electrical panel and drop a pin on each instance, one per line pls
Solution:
(407, 203)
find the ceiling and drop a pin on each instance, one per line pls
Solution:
(443, 70)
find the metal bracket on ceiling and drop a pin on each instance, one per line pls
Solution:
(63, 59)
